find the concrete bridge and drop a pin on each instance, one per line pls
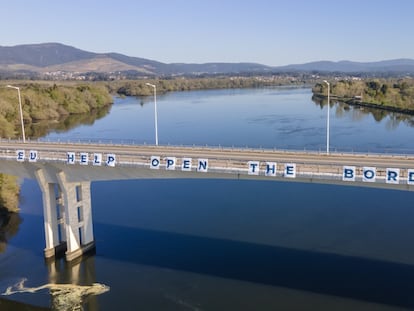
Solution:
(64, 172)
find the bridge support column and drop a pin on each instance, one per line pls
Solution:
(53, 216)
(78, 216)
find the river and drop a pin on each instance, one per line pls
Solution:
(231, 245)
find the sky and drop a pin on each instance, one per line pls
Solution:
(270, 32)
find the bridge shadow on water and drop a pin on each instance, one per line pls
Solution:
(324, 273)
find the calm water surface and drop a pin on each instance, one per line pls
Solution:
(272, 118)
(232, 245)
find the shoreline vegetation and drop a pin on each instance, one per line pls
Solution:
(53, 105)
(45, 102)
(394, 95)
(139, 87)
(45, 106)
(10, 219)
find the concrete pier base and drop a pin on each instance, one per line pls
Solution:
(84, 249)
(56, 252)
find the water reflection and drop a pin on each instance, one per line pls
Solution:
(40, 129)
(80, 288)
(393, 119)
(71, 286)
(9, 226)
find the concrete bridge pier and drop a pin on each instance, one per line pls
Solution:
(53, 212)
(67, 213)
(78, 216)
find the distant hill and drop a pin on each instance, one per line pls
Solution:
(42, 55)
(397, 65)
(55, 57)
(51, 57)
(48, 57)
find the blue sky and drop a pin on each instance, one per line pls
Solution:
(194, 31)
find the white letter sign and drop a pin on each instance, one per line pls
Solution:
(369, 174)
(290, 170)
(253, 168)
(71, 158)
(393, 176)
(155, 163)
(348, 173)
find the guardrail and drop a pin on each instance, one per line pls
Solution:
(400, 152)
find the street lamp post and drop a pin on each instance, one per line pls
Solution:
(155, 111)
(327, 118)
(21, 110)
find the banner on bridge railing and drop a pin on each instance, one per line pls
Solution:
(366, 174)
(71, 158)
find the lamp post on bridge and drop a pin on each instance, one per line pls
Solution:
(155, 111)
(327, 119)
(21, 110)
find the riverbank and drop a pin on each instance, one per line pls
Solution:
(140, 87)
(359, 103)
(390, 95)
(42, 101)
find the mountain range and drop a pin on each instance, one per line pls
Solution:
(55, 57)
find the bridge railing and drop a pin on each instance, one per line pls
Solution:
(378, 151)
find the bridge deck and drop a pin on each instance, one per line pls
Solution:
(133, 161)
